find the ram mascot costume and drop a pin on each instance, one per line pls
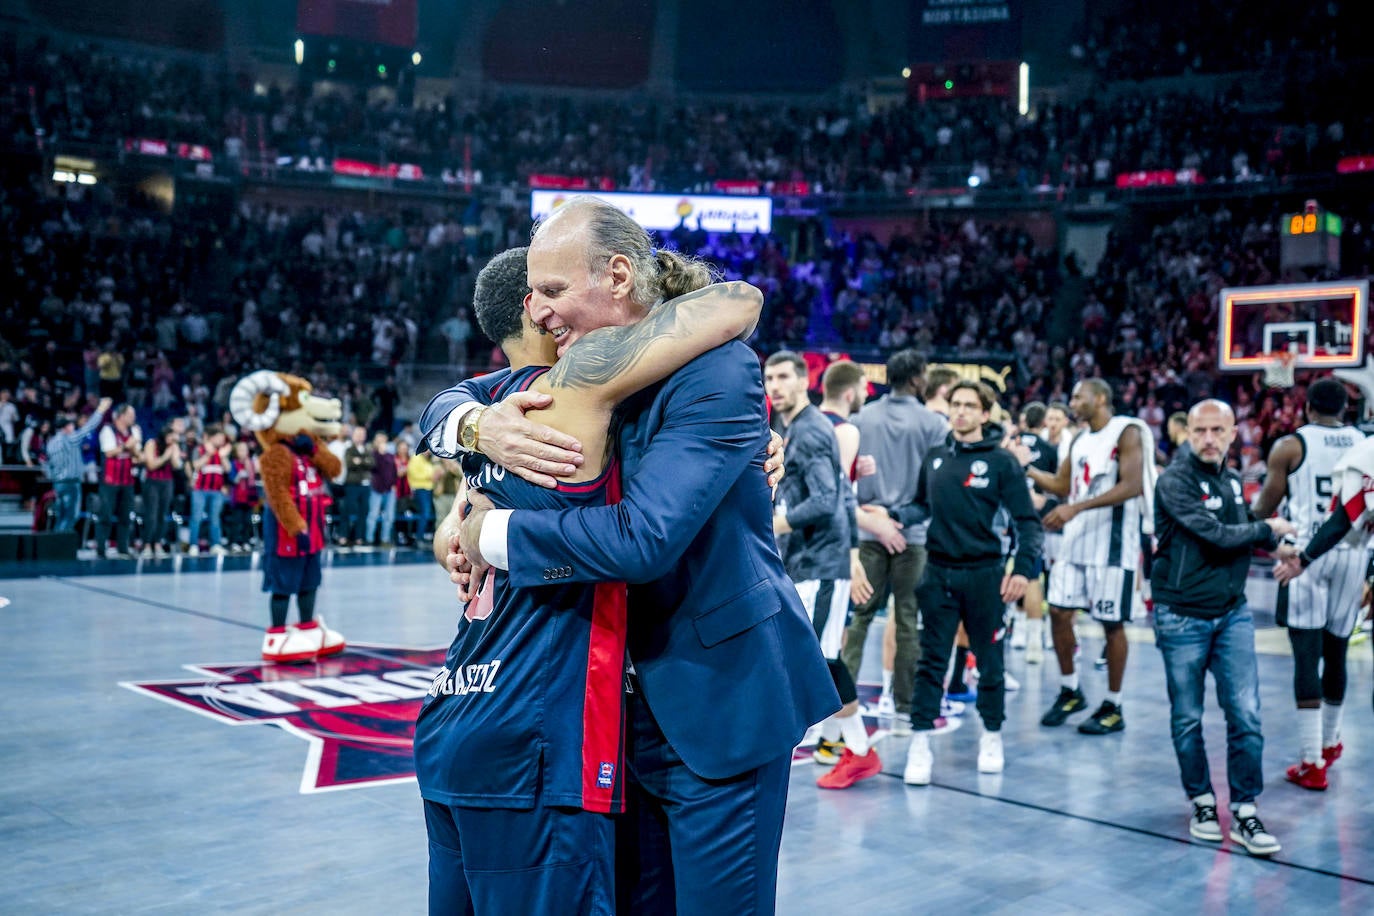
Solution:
(291, 425)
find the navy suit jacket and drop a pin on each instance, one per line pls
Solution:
(721, 643)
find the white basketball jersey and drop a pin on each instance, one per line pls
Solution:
(1110, 535)
(1311, 487)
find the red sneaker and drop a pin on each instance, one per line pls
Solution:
(1332, 753)
(851, 769)
(1308, 776)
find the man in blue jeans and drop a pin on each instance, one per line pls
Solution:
(65, 464)
(1205, 536)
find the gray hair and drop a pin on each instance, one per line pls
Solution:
(609, 231)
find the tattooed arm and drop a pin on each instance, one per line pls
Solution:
(609, 364)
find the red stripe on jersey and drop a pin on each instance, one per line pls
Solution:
(1354, 507)
(603, 709)
(119, 471)
(209, 480)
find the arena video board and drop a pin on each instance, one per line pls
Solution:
(1321, 324)
(665, 212)
(384, 22)
(953, 31)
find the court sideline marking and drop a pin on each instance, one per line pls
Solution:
(139, 599)
(1144, 831)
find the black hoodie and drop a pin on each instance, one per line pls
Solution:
(962, 485)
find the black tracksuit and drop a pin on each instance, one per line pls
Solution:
(962, 486)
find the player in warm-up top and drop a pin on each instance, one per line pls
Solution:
(519, 747)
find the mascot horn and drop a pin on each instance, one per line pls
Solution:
(292, 425)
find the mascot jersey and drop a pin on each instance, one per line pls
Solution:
(529, 705)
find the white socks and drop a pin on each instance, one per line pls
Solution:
(1113, 698)
(1331, 724)
(1035, 631)
(1310, 735)
(1069, 681)
(887, 682)
(830, 729)
(855, 734)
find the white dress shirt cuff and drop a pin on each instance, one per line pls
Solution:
(492, 540)
(444, 440)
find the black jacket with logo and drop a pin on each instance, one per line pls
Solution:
(1205, 534)
(962, 485)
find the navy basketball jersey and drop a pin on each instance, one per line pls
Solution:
(530, 702)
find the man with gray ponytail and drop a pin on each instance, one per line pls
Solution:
(712, 614)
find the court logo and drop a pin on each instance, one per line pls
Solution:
(356, 710)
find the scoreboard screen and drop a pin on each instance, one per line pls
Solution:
(1321, 324)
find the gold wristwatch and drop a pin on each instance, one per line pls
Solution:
(467, 431)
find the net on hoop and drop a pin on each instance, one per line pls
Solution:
(1278, 369)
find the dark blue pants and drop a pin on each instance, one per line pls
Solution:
(1191, 647)
(692, 846)
(508, 862)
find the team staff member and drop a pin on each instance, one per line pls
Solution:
(1205, 536)
(963, 484)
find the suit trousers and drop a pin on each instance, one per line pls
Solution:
(690, 846)
(895, 575)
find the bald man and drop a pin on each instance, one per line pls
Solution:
(1206, 534)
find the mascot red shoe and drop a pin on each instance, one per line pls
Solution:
(291, 425)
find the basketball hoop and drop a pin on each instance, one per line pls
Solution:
(1278, 369)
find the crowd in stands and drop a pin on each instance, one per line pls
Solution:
(1138, 40)
(66, 93)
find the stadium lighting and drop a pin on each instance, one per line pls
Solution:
(300, 52)
(85, 178)
(949, 84)
(974, 181)
(906, 73)
(332, 65)
(416, 58)
(63, 175)
(1023, 89)
(381, 70)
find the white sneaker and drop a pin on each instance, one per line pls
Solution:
(919, 761)
(887, 707)
(218, 550)
(951, 708)
(193, 551)
(901, 724)
(291, 646)
(1248, 831)
(331, 641)
(1009, 683)
(990, 758)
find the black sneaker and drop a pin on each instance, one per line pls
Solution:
(1067, 703)
(1106, 720)
(828, 753)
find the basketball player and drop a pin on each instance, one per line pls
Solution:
(1028, 632)
(524, 832)
(939, 380)
(844, 388)
(1102, 485)
(1320, 608)
(814, 519)
(715, 617)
